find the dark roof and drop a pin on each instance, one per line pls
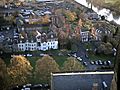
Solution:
(51, 35)
(79, 81)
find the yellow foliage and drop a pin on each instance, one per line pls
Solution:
(72, 65)
(19, 70)
(71, 16)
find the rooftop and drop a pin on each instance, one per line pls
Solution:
(80, 80)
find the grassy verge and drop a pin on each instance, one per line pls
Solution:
(102, 57)
(60, 60)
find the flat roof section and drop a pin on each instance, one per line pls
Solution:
(81, 80)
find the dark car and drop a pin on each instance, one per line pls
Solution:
(100, 62)
(108, 62)
(37, 87)
(46, 86)
(17, 87)
(96, 62)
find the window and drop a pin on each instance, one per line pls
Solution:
(44, 44)
(44, 48)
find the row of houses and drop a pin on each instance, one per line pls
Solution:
(41, 41)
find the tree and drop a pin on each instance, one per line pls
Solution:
(71, 16)
(108, 49)
(62, 37)
(19, 70)
(105, 39)
(72, 65)
(105, 48)
(3, 75)
(68, 44)
(45, 19)
(114, 42)
(44, 67)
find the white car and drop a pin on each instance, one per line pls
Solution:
(29, 55)
(80, 59)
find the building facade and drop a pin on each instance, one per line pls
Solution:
(41, 42)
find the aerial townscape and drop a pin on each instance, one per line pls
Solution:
(59, 44)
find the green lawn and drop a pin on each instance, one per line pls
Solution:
(33, 61)
(60, 60)
(94, 57)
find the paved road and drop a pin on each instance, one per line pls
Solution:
(81, 52)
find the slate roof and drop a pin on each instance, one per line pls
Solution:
(79, 82)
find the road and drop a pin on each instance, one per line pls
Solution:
(81, 52)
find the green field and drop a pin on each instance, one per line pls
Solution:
(111, 1)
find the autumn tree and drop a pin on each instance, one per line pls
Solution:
(45, 19)
(72, 65)
(3, 75)
(71, 16)
(19, 70)
(62, 37)
(44, 67)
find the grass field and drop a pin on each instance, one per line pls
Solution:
(94, 57)
(111, 1)
(59, 60)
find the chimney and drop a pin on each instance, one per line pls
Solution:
(95, 86)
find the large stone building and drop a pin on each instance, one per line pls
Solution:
(116, 78)
(81, 80)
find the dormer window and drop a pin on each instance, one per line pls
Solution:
(20, 41)
(51, 36)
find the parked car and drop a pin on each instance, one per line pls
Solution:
(105, 87)
(29, 55)
(86, 55)
(85, 63)
(37, 86)
(46, 86)
(96, 62)
(108, 62)
(68, 54)
(80, 59)
(92, 62)
(105, 62)
(100, 62)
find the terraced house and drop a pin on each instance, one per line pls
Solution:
(41, 41)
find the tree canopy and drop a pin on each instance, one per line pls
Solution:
(3, 75)
(72, 65)
(44, 67)
(19, 70)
